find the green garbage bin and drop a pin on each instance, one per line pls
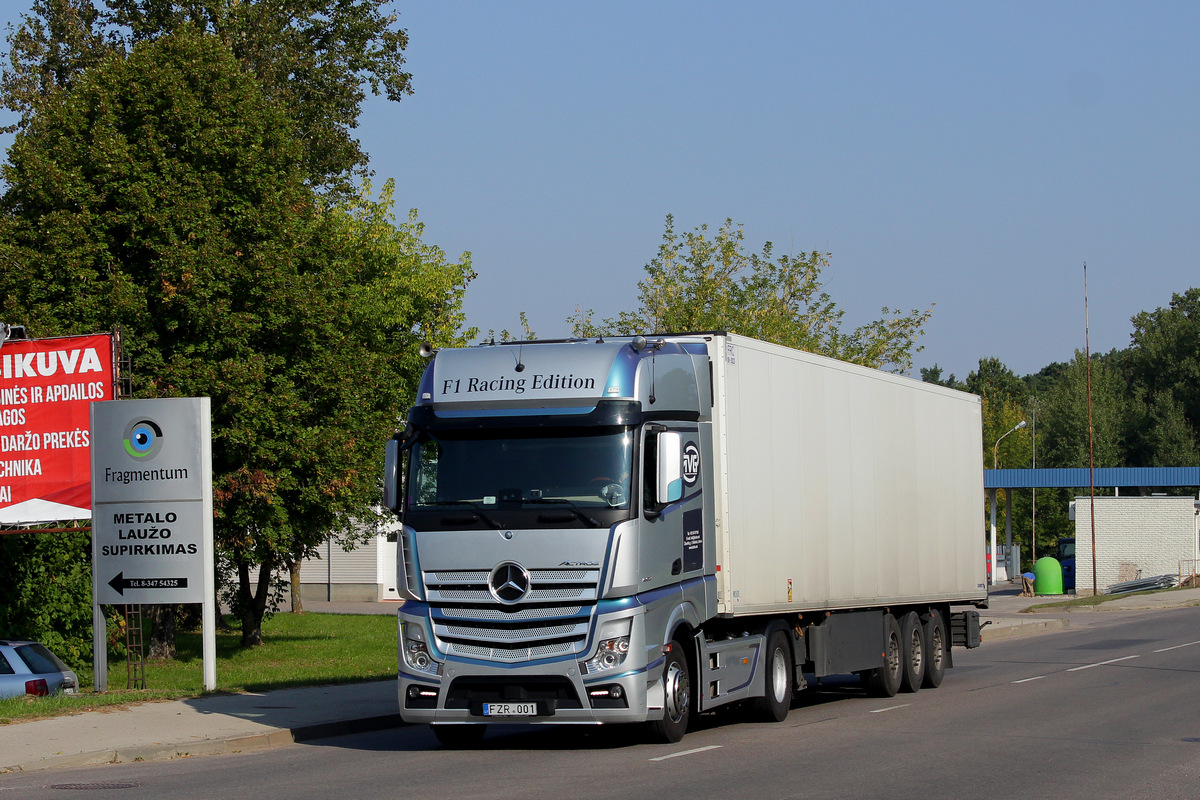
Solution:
(1047, 576)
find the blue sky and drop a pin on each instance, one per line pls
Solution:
(967, 155)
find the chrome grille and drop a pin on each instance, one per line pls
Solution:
(550, 621)
(482, 595)
(517, 654)
(511, 634)
(505, 615)
(474, 576)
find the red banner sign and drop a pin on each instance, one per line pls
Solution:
(46, 386)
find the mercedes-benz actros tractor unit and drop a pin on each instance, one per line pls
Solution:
(643, 529)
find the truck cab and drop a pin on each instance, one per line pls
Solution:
(546, 514)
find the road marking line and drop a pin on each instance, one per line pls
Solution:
(890, 708)
(1101, 663)
(1027, 680)
(689, 752)
(1176, 647)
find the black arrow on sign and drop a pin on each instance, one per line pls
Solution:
(121, 583)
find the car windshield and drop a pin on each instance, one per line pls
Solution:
(587, 469)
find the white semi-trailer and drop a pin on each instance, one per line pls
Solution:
(643, 529)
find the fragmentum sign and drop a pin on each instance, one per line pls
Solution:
(152, 500)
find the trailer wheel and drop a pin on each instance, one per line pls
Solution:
(913, 639)
(774, 706)
(884, 680)
(935, 650)
(677, 704)
(459, 737)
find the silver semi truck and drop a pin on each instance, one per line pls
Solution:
(643, 529)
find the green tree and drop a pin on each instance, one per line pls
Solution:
(165, 192)
(934, 375)
(1065, 420)
(1004, 397)
(1163, 365)
(46, 592)
(384, 292)
(1161, 435)
(703, 282)
(313, 58)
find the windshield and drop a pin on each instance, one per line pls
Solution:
(491, 471)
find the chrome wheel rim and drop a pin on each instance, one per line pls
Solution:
(916, 652)
(679, 692)
(779, 677)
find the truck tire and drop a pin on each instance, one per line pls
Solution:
(935, 650)
(884, 680)
(913, 656)
(677, 698)
(777, 666)
(459, 737)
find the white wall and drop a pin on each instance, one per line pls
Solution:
(366, 573)
(1150, 534)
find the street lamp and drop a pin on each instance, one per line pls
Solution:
(996, 448)
(995, 459)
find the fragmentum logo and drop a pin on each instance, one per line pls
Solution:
(143, 439)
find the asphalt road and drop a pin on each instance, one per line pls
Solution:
(1105, 711)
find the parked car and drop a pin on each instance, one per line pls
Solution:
(30, 668)
(1066, 557)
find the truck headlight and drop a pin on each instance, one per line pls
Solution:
(613, 648)
(416, 653)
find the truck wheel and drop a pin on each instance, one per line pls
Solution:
(935, 650)
(884, 680)
(459, 737)
(774, 706)
(677, 703)
(913, 660)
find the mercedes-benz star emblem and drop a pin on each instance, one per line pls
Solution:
(509, 583)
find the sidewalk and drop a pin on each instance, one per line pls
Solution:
(243, 722)
(201, 726)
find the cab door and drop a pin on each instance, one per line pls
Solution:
(672, 548)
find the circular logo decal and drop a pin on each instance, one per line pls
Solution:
(691, 464)
(143, 439)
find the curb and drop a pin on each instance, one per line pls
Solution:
(211, 747)
(1024, 629)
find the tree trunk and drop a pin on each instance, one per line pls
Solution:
(162, 633)
(253, 604)
(297, 600)
(222, 624)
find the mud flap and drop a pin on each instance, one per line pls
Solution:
(964, 629)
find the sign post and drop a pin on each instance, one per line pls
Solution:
(152, 535)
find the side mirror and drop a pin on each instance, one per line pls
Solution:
(670, 468)
(391, 474)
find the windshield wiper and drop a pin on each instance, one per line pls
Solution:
(564, 501)
(478, 509)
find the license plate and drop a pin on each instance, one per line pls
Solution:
(510, 709)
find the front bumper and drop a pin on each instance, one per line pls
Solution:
(467, 690)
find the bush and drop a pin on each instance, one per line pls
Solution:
(46, 592)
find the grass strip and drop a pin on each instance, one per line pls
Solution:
(1090, 600)
(299, 650)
